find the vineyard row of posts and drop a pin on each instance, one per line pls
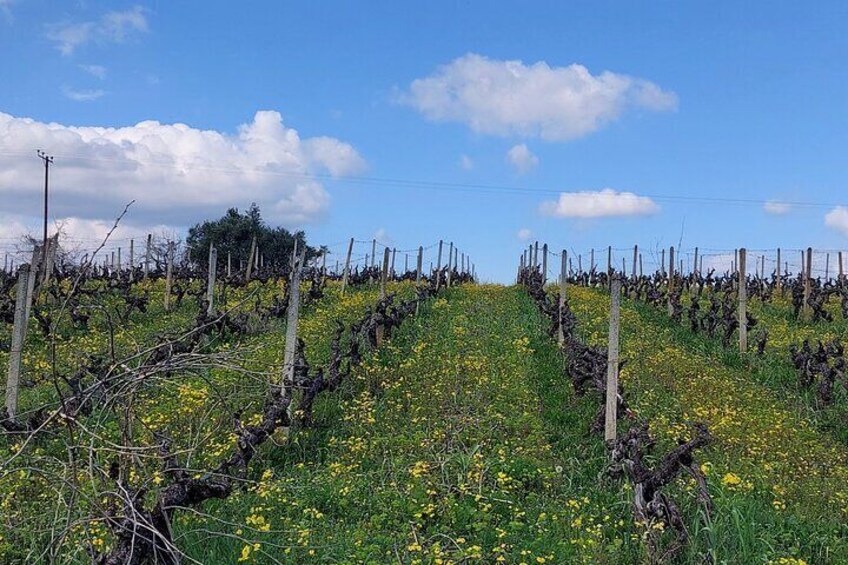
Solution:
(536, 258)
(43, 265)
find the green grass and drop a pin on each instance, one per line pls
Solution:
(791, 497)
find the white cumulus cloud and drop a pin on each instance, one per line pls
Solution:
(777, 208)
(599, 204)
(837, 219)
(112, 27)
(522, 159)
(537, 100)
(524, 234)
(176, 173)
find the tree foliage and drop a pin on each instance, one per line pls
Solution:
(233, 233)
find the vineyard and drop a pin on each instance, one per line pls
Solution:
(165, 409)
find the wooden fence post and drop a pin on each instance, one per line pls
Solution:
(169, 273)
(544, 263)
(611, 420)
(392, 268)
(662, 261)
(609, 262)
(591, 259)
(779, 280)
(742, 316)
(18, 339)
(419, 264)
(210, 285)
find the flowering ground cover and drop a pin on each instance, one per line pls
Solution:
(780, 485)
(53, 500)
(774, 368)
(460, 442)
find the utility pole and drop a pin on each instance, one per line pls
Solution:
(48, 159)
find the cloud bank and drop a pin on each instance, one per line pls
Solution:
(507, 98)
(176, 173)
(599, 204)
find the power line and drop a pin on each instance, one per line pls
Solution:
(439, 185)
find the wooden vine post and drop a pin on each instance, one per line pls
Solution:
(544, 263)
(384, 275)
(18, 339)
(695, 265)
(250, 259)
(611, 420)
(346, 273)
(841, 272)
(34, 267)
(779, 279)
(292, 316)
(563, 279)
(169, 274)
(132, 259)
(439, 266)
(210, 284)
(670, 278)
(450, 265)
(635, 259)
(742, 315)
(808, 273)
(419, 264)
(147, 255)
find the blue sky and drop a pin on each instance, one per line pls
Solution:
(700, 104)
